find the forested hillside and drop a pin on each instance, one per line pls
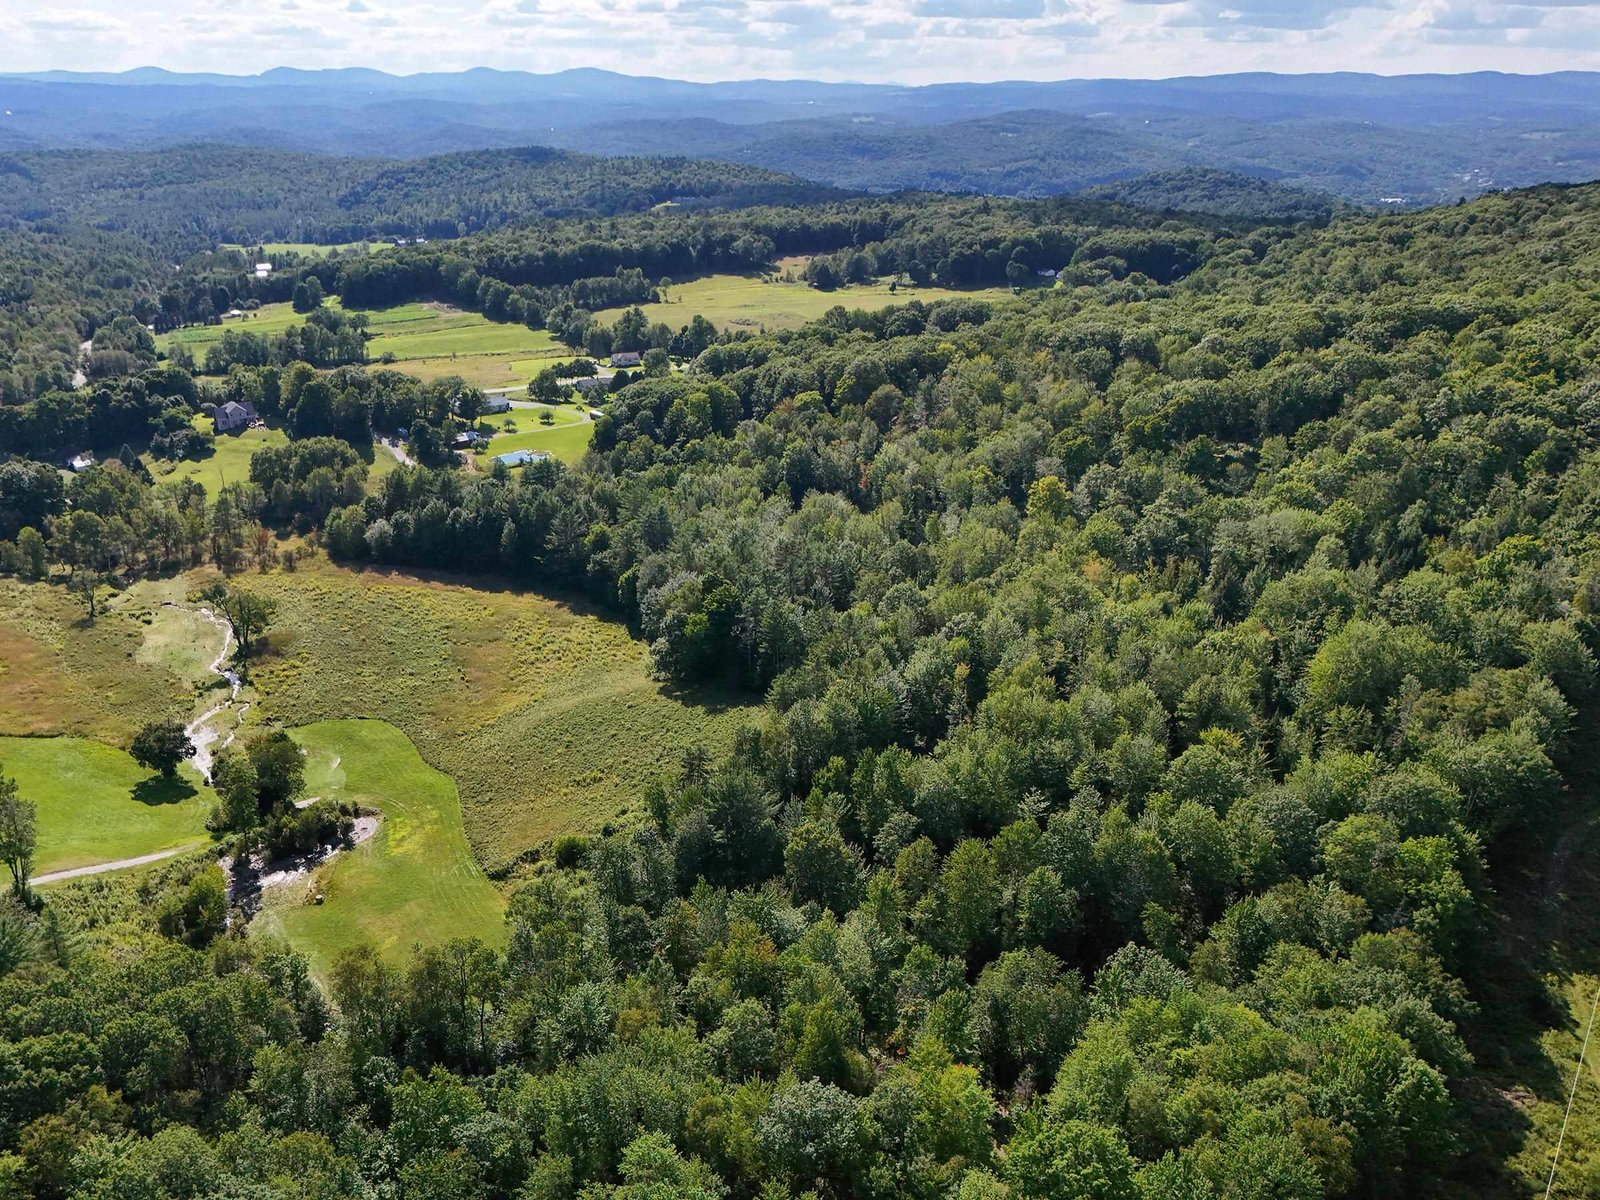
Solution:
(1167, 679)
(1220, 193)
(194, 197)
(55, 289)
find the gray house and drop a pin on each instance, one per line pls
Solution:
(233, 415)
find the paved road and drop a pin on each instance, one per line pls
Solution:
(102, 868)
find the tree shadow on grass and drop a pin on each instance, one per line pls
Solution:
(163, 789)
(1542, 930)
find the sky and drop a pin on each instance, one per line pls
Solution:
(906, 41)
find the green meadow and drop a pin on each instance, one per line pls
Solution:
(522, 699)
(95, 804)
(425, 339)
(229, 460)
(433, 340)
(310, 249)
(752, 302)
(266, 320)
(414, 880)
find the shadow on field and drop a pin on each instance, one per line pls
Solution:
(162, 789)
(1542, 931)
(710, 698)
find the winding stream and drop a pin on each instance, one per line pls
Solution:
(202, 731)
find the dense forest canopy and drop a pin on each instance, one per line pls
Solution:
(194, 197)
(1163, 674)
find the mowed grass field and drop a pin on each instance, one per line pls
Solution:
(414, 881)
(425, 339)
(544, 715)
(95, 804)
(310, 249)
(566, 438)
(229, 461)
(197, 339)
(432, 341)
(748, 302)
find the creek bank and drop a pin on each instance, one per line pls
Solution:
(250, 877)
(201, 732)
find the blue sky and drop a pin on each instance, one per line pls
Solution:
(912, 41)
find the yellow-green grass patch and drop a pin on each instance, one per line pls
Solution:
(414, 881)
(529, 418)
(95, 804)
(750, 302)
(228, 462)
(568, 443)
(266, 320)
(543, 713)
(308, 249)
(61, 675)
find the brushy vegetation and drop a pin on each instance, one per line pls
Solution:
(142, 660)
(543, 714)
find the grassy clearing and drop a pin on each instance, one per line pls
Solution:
(529, 418)
(229, 461)
(95, 804)
(424, 339)
(311, 249)
(432, 341)
(140, 661)
(544, 714)
(414, 881)
(748, 302)
(266, 320)
(567, 438)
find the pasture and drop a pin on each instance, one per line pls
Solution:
(266, 320)
(425, 339)
(95, 804)
(749, 302)
(543, 713)
(414, 881)
(276, 250)
(432, 341)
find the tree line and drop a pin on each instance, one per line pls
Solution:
(1161, 681)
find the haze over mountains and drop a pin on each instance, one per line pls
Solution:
(1365, 138)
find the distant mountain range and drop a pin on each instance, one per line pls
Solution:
(1365, 138)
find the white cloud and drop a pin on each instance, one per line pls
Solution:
(901, 40)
